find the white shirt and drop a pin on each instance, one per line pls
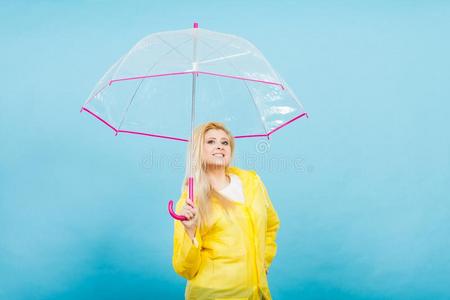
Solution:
(234, 190)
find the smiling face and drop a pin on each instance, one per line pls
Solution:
(216, 148)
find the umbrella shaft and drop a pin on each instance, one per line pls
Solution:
(194, 84)
(191, 158)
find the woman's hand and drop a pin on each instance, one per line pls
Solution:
(191, 213)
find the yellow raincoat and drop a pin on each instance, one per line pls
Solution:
(229, 260)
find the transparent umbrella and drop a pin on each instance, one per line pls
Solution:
(170, 81)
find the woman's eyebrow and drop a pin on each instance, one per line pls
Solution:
(213, 138)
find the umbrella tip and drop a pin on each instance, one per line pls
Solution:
(195, 25)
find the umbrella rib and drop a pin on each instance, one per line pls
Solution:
(294, 97)
(174, 48)
(129, 104)
(171, 49)
(259, 110)
(217, 49)
(224, 58)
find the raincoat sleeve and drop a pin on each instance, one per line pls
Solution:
(273, 224)
(186, 252)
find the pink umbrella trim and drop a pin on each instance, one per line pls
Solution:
(117, 131)
(278, 128)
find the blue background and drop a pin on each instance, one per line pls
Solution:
(361, 187)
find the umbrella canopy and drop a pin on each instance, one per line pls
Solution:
(149, 90)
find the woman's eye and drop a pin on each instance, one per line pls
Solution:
(210, 142)
(224, 143)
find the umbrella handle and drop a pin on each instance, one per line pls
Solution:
(173, 214)
(191, 196)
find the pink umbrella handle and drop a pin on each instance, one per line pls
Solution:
(191, 196)
(173, 214)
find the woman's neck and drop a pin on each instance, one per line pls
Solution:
(218, 177)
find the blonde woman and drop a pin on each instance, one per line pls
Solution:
(225, 247)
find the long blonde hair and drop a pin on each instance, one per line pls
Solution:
(203, 190)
